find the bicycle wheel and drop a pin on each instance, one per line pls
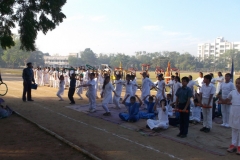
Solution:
(3, 89)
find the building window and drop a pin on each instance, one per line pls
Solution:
(227, 45)
(217, 43)
(221, 51)
(199, 51)
(221, 46)
(206, 51)
(235, 45)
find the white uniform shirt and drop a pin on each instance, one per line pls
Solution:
(207, 90)
(118, 87)
(146, 84)
(129, 87)
(163, 115)
(226, 89)
(91, 88)
(190, 84)
(160, 85)
(200, 81)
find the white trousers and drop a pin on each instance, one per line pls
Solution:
(236, 137)
(156, 124)
(105, 107)
(92, 100)
(225, 109)
(207, 114)
(116, 101)
(50, 83)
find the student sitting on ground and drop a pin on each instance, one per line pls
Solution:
(163, 112)
(196, 112)
(133, 109)
(5, 111)
(150, 112)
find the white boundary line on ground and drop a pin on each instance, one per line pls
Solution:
(104, 130)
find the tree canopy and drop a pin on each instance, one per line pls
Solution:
(31, 16)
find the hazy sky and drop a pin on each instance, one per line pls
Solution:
(126, 26)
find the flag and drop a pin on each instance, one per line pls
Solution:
(232, 70)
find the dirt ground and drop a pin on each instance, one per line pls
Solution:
(104, 139)
(22, 140)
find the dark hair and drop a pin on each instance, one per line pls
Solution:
(172, 76)
(176, 73)
(133, 98)
(160, 76)
(201, 73)
(178, 79)
(128, 76)
(92, 74)
(105, 82)
(208, 77)
(220, 73)
(132, 76)
(29, 63)
(164, 102)
(169, 94)
(185, 79)
(190, 76)
(211, 74)
(228, 74)
(150, 98)
(119, 76)
(195, 100)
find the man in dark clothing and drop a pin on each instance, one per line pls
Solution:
(72, 87)
(28, 78)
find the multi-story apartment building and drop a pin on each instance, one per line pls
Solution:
(215, 49)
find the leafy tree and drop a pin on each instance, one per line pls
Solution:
(31, 16)
(76, 62)
(36, 58)
(89, 57)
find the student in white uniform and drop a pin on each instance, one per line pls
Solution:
(91, 92)
(176, 84)
(234, 118)
(43, 77)
(225, 88)
(134, 86)
(79, 91)
(213, 81)
(96, 84)
(51, 77)
(128, 85)
(160, 84)
(107, 95)
(61, 87)
(163, 112)
(39, 76)
(206, 99)
(146, 86)
(200, 81)
(219, 80)
(118, 90)
(196, 111)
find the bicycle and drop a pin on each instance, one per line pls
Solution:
(3, 87)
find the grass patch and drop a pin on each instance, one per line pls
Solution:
(11, 71)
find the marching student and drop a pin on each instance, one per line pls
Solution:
(163, 112)
(183, 96)
(72, 87)
(146, 84)
(107, 95)
(39, 76)
(91, 92)
(220, 80)
(150, 110)
(206, 100)
(234, 117)
(225, 88)
(118, 90)
(51, 77)
(133, 109)
(79, 90)
(61, 87)
(161, 87)
(200, 81)
(176, 85)
(128, 84)
(134, 86)
(191, 83)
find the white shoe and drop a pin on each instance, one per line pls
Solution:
(223, 125)
(227, 125)
(92, 110)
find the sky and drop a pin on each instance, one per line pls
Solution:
(127, 26)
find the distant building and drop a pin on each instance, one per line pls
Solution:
(56, 61)
(215, 49)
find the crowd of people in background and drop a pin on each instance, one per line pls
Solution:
(182, 103)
